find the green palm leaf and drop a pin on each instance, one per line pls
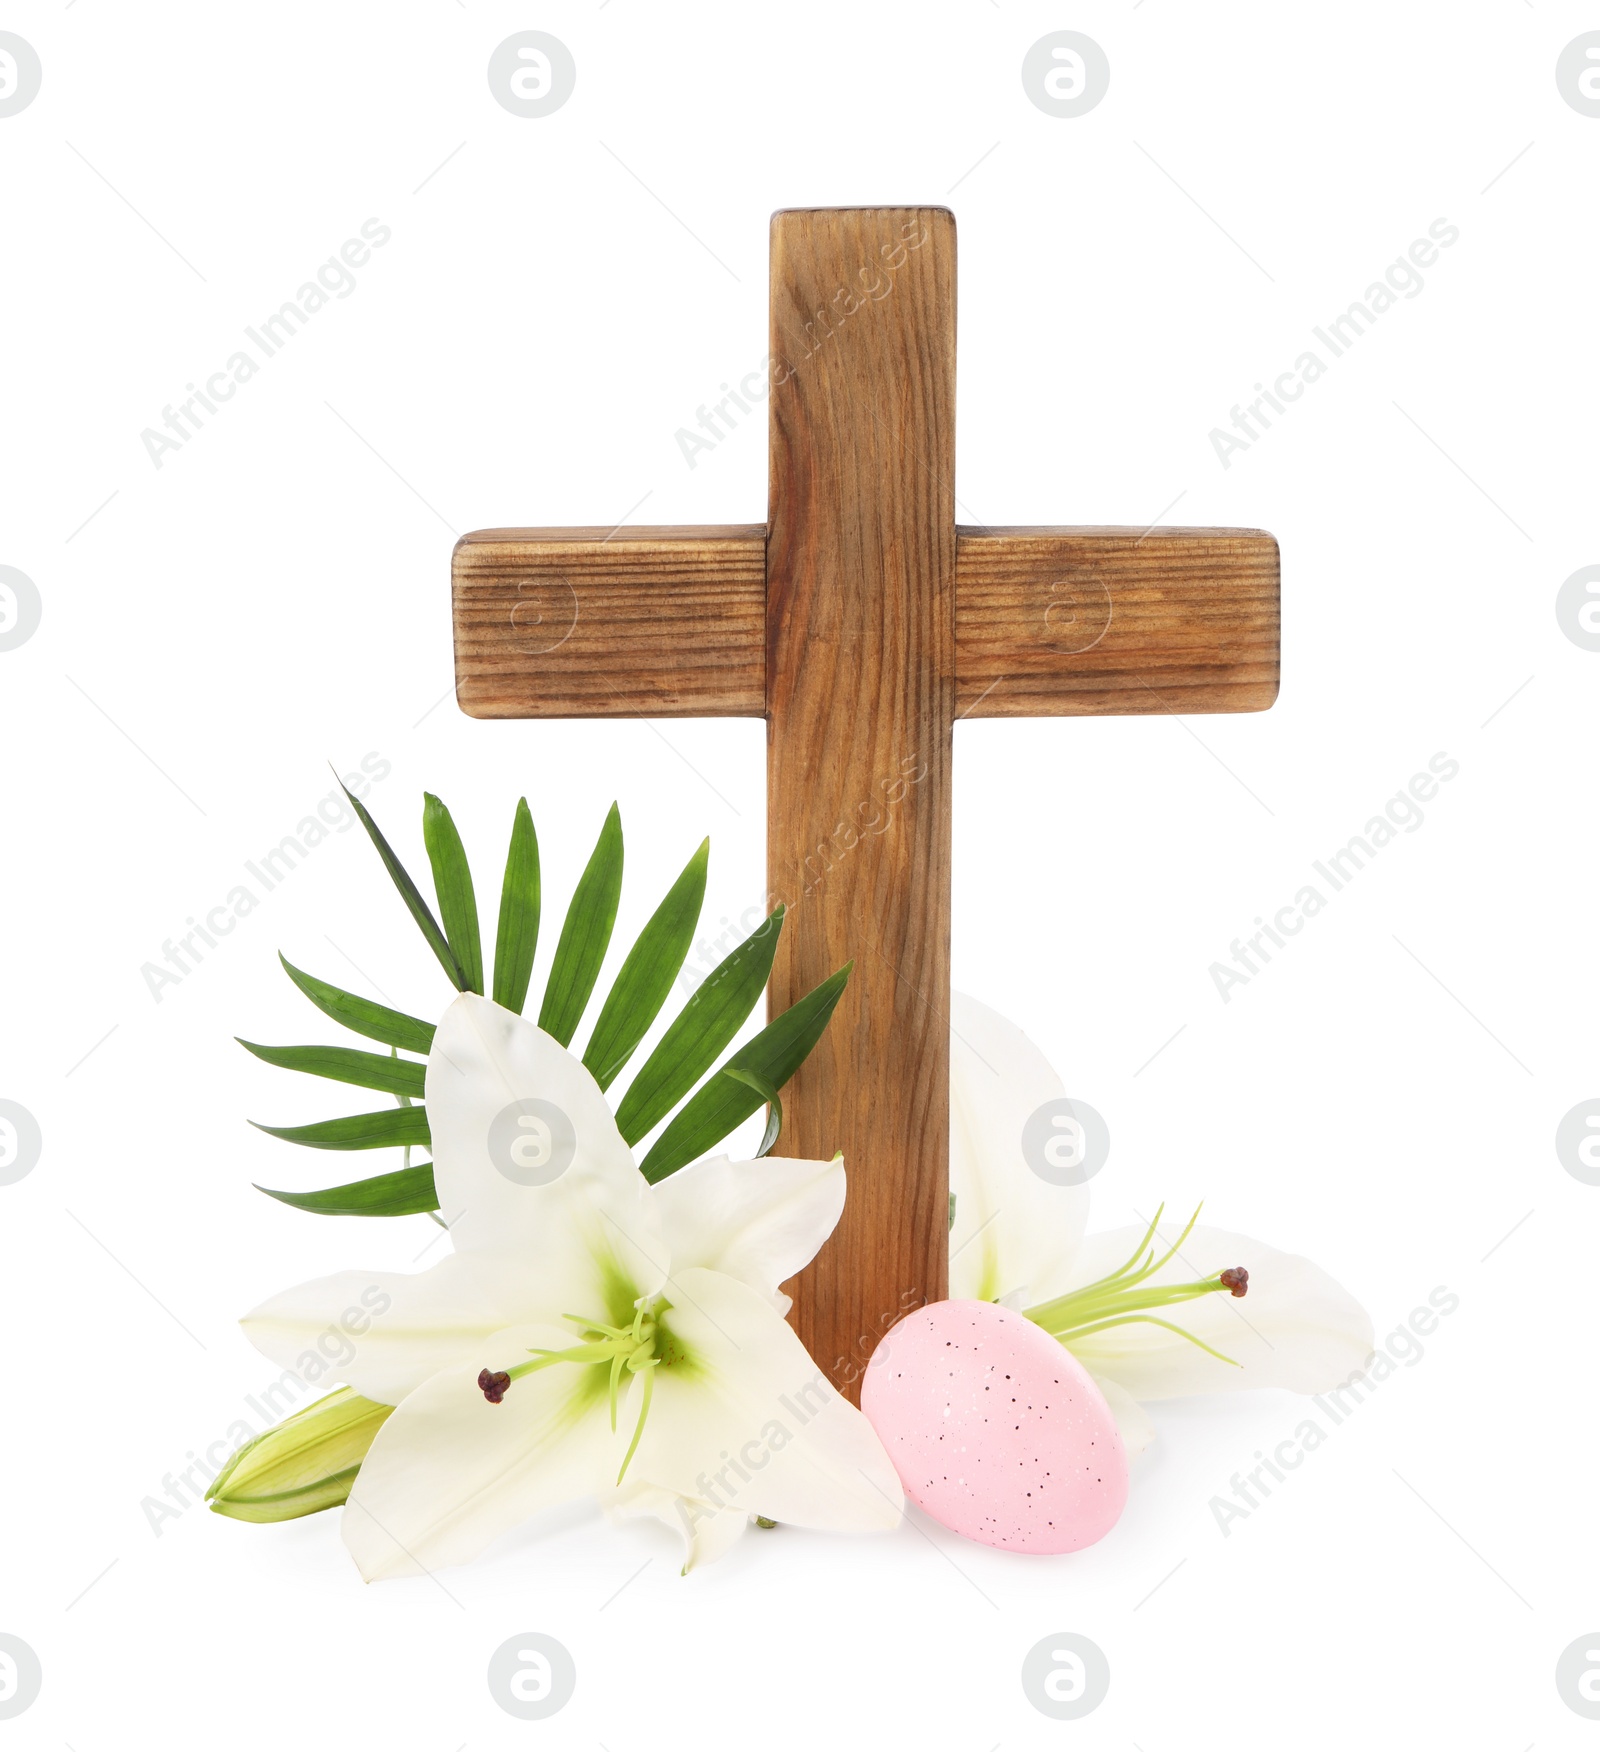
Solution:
(646, 978)
(405, 1193)
(361, 1015)
(774, 1107)
(585, 935)
(517, 936)
(411, 895)
(358, 1131)
(774, 1055)
(715, 1012)
(452, 882)
(367, 1070)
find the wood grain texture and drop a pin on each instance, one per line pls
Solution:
(1049, 622)
(1064, 622)
(860, 702)
(587, 623)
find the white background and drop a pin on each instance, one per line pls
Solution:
(1383, 1096)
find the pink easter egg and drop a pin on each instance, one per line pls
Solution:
(996, 1431)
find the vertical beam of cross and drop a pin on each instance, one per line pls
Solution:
(861, 554)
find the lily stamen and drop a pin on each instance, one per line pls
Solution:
(1125, 1296)
(620, 1349)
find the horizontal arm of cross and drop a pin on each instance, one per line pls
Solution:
(671, 622)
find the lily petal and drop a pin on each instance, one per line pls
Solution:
(1013, 1233)
(1295, 1328)
(760, 1222)
(449, 1472)
(386, 1332)
(1133, 1421)
(747, 1421)
(706, 1531)
(485, 1059)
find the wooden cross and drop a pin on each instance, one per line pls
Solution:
(861, 623)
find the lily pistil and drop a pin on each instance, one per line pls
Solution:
(1125, 1296)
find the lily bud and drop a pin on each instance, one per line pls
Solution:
(306, 1463)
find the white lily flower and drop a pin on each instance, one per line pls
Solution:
(1019, 1239)
(592, 1336)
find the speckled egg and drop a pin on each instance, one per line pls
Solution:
(996, 1431)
